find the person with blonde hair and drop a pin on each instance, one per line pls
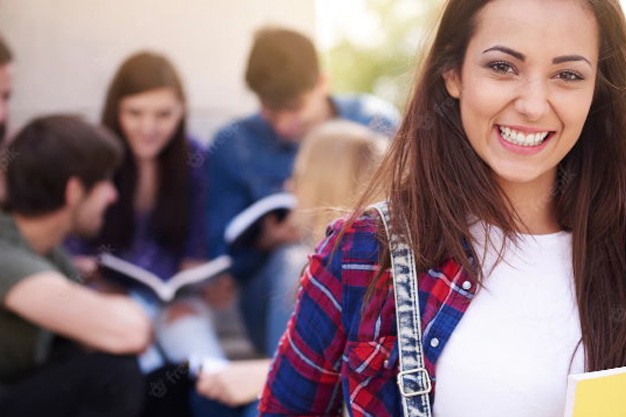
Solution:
(335, 163)
(332, 167)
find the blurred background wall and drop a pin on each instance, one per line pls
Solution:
(67, 50)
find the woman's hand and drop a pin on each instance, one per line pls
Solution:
(87, 266)
(220, 292)
(238, 384)
(276, 232)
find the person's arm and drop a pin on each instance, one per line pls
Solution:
(304, 378)
(109, 323)
(276, 232)
(220, 291)
(226, 194)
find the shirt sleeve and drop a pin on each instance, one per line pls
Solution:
(304, 378)
(226, 194)
(17, 265)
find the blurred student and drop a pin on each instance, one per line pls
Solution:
(334, 164)
(252, 157)
(6, 84)
(6, 87)
(157, 222)
(66, 350)
(332, 168)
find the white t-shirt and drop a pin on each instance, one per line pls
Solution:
(510, 355)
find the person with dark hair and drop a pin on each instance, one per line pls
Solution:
(6, 83)
(252, 157)
(157, 223)
(66, 350)
(497, 264)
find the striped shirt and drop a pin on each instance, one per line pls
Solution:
(338, 349)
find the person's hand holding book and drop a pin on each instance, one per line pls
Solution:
(276, 232)
(220, 292)
(237, 384)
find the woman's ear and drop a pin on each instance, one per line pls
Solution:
(453, 82)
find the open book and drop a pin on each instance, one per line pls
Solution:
(597, 394)
(245, 227)
(166, 290)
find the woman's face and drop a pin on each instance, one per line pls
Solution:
(149, 119)
(526, 86)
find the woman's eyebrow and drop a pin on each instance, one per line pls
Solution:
(520, 56)
(508, 51)
(570, 58)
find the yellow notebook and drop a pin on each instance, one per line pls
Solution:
(597, 394)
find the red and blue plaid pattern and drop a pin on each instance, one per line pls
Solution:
(340, 349)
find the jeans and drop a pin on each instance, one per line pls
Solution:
(202, 407)
(78, 385)
(268, 298)
(177, 341)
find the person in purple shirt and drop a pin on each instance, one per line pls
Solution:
(252, 157)
(157, 222)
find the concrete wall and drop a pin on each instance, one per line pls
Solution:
(67, 50)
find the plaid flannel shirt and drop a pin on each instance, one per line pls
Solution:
(336, 349)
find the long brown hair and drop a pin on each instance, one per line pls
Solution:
(143, 72)
(434, 180)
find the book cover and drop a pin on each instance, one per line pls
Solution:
(166, 289)
(597, 394)
(245, 227)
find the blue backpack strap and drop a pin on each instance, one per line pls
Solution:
(413, 379)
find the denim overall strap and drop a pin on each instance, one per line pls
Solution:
(413, 379)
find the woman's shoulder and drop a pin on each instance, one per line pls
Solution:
(355, 238)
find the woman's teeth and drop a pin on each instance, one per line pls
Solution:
(522, 139)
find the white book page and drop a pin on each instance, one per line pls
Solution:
(166, 290)
(250, 215)
(134, 271)
(200, 272)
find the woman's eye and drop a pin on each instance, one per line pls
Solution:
(502, 67)
(569, 76)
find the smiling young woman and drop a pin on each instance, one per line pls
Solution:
(524, 104)
(508, 178)
(157, 221)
